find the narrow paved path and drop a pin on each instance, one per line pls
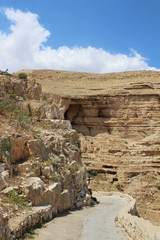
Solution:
(93, 223)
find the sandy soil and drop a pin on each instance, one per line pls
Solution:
(75, 84)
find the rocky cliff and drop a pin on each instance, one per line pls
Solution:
(117, 117)
(41, 172)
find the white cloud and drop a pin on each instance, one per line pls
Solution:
(24, 48)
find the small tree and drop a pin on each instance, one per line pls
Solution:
(22, 75)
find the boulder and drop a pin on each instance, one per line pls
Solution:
(33, 190)
(34, 90)
(37, 148)
(4, 177)
(88, 200)
(65, 200)
(79, 204)
(19, 149)
(52, 196)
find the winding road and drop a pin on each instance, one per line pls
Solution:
(91, 223)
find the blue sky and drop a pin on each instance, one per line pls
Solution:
(80, 35)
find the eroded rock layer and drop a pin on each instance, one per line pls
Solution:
(117, 116)
(41, 172)
(133, 116)
(120, 139)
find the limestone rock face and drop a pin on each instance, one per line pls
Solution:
(37, 148)
(119, 132)
(21, 87)
(5, 231)
(41, 110)
(33, 189)
(40, 163)
(3, 183)
(133, 116)
(120, 142)
(19, 149)
(52, 196)
(65, 199)
(30, 168)
(37, 109)
(33, 90)
(4, 177)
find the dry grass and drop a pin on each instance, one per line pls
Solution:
(82, 84)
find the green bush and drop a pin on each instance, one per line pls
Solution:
(10, 105)
(5, 146)
(22, 118)
(13, 96)
(29, 233)
(4, 104)
(92, 173)
(158, 187)
(22, 75)
(118, 187)
(55, 177)
(14, 199)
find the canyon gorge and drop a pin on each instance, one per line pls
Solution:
(64, 126)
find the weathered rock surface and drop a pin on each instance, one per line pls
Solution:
(40, 162)
(118, 115)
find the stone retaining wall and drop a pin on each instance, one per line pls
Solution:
(47, 203)
(137, 228)
(134, 227)
(41, 215)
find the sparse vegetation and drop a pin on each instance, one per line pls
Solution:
(72, 168)
(4, 104)
(29, 234)
(22, 75)
(154, 178)
(15, 198)
(118, 187)
(22, 118)
(13, 95)
(92, 173)
(12, 197)
(10, 105)
(5, 146)
(55, 177)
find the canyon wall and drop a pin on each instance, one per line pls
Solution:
(41, 172)
(117, 117)
(120, 140)
(133, 116)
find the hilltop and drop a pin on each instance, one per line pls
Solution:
(74, 84)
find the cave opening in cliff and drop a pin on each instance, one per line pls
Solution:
(72, 112)
(87, 119)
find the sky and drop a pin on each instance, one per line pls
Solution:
(97, 36)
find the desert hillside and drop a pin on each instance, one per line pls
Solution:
(41, 172)
(74, 84)
(117, 117)
(55, 125)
